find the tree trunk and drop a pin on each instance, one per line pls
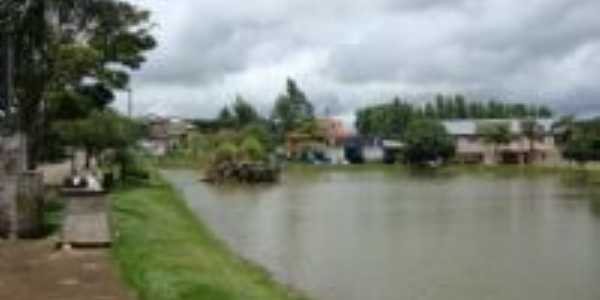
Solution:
(88, 158)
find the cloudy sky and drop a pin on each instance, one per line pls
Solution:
(346, 54)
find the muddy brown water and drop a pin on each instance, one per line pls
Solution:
(388, 234)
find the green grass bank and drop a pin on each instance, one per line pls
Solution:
(165, 253)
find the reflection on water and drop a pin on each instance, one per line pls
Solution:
(392, 235)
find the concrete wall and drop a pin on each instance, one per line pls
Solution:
(26, 188)
(29, 209)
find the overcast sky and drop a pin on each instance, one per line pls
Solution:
(346, 54)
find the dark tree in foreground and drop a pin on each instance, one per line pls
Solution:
(427, 141)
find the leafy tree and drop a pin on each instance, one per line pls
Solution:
(495, 134)
(386, 120)
(429, 110)
(461, 107)
(449, 108)
(427, 141)
(580, 149)
(545, 112)
(292, 108)
(440, 106)
(225, 118)
(583, 144)
(102, 130)
(96, 40)
(245, 114)
(261, 133)
(564, 129)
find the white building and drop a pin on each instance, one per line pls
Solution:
(471, 146)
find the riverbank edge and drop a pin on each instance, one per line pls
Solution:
(591, 170)
(165, 252)
(175, 163)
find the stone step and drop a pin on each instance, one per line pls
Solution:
(86, 223)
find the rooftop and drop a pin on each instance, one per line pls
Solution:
(469, 127)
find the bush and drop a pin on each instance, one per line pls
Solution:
(252, 149)
(225, 152)
(260, 133)
(427, 141)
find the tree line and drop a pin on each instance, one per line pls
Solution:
(292, 111)
(391, 119)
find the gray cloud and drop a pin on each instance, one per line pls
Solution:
(349, 53)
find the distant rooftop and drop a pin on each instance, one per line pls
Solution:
(469, 127)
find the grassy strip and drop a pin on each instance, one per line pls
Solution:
(165, 253)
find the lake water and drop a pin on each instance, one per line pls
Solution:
(387, 234)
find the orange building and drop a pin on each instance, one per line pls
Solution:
(333, 130)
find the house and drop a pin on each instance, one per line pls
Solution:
(327, 141)
(471, 146)
(297, 144)
(166, 134)
(333, 130)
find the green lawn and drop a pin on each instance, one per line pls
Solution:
(165, 253)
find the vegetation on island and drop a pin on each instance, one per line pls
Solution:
(242, 156)
(240, 136)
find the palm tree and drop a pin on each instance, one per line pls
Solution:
(495, 134)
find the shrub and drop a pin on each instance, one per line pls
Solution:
(427, 141)
(259, 132)
(252, 149)
(225, 152)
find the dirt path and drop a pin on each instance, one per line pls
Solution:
(35, 271)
